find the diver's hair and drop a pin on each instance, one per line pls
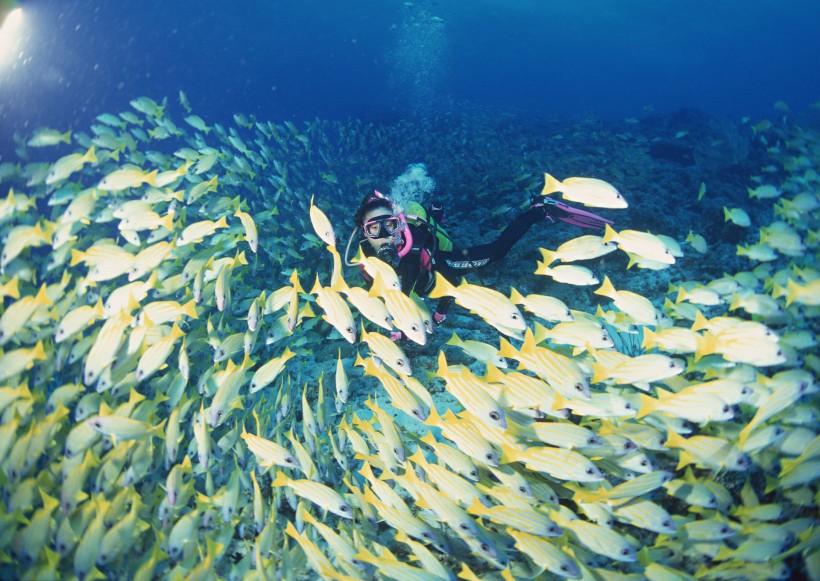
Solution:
(370, 202)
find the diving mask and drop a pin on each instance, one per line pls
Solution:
(381, 227)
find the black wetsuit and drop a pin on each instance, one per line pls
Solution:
(416, 268)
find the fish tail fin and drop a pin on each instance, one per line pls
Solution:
(434, 419)
(76, 257)
(442, 288)
(510, 454)
(650, 339)
(600, 373)
(540, 333)
(493, 374)
(609, 233)
(515, 296)
(674, 440)
(151, 178)
(168, 221)
(442, 371)
(189, 309)
(648, 405)
(700, 323)
(684, 459)
(706, 345)
(551, 185)
(280, 480)
(549, 256)
(606, 289)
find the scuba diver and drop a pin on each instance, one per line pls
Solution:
(413, 242)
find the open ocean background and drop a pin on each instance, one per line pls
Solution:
(381, 59)
(686, 107)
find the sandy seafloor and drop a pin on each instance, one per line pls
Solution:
(481, 160)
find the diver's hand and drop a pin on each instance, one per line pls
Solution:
(439, 318)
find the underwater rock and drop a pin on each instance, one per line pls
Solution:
(680, 154)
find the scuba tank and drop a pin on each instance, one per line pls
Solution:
(418, 216)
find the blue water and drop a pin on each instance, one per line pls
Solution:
(380, 59)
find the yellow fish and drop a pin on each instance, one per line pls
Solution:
(488, 303)
(269, 453)
(568, 274)
(19, 360)
(468, 390)
(337, 313)
(251, 234)
(697, 242)
(641, 243)
(641, 310)
(587, 191)
(581, 248)
(127, 177)
(322, 496)
(737, 216)
(321, 224)
(64, 167)
(198, 231)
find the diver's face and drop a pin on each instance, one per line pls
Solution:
(377, 243)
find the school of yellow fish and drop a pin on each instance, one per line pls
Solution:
(164, 414)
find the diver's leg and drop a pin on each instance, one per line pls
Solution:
(462, 261)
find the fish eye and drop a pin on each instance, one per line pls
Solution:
(489, 456)
(590, 471)
(344, 508)
(485, 547)
(426, 535)
(400, 363)
(474, 474)
(522, 489)
(494, 415)
(627, 406)
(464, 527)
(565, 568)
(579, 387)
(672, 364)
(626, 552)
(644, 463)
(726, 409)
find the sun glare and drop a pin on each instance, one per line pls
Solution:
(10, 34)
